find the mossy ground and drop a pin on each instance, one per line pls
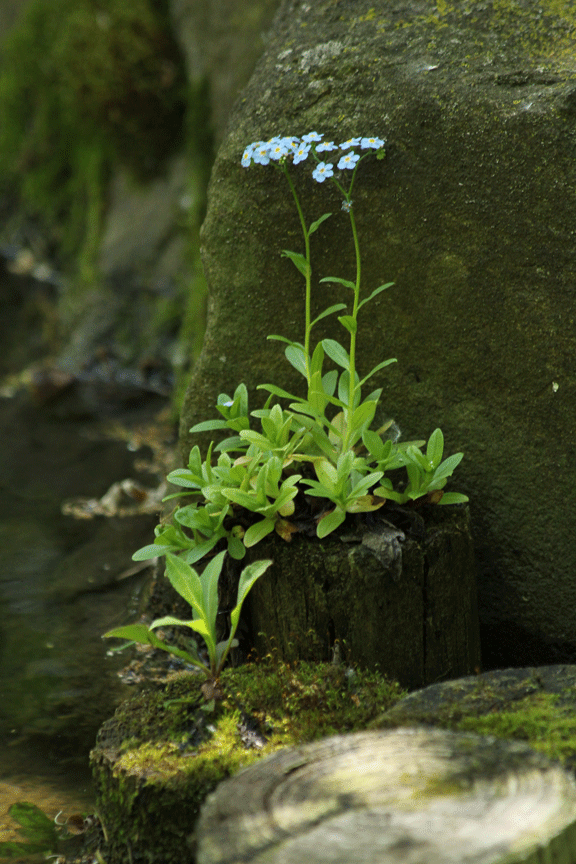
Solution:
(164, 751)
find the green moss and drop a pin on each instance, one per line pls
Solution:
(163, 752)
(85, 84)
(541, 720)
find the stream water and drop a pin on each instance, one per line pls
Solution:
(63, 582)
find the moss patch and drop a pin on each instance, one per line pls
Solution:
(531, 705)
(163, 752)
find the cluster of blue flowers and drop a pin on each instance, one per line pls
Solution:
(263, 152)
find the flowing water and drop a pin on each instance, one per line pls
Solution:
(63, 582)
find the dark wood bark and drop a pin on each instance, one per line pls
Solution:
(405, 604)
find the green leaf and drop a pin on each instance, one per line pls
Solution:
(448, 466)
(363, 415)
(299, 261)
(373, 443)
(349, 322)
(209, 426)
(345, 282)
(435, 447)
(142, 634)
(200, 550)
(315, 225)
(15, 849)
(34, 824)
(258, 531)
(297, 358)
(154, 550)
(236, 548)
(185, 581)
(336, 352)
(329, 381)
(278, 391)
(374, 293)
(247, 579)
(377, 369)
(330, 522)
(209, 580)
(331, 309)
(453, 498)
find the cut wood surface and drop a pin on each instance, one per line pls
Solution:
(416, 796)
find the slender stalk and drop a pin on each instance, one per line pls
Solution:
(308, 276)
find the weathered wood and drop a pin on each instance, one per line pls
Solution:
(416, 796)
(404, 604)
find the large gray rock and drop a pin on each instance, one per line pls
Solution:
(472, 214)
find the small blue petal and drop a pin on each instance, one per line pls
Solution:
(322, 171)
(348, 161)
(374, 143)
(312, 136)
(326, 145)
(301, 153)
(351, 142)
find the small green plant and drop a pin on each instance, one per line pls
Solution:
(321, 445)
(202, 595)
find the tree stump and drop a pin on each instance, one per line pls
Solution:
(398, 599)
(408, 795)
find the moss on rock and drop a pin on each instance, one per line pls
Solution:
(163, 752)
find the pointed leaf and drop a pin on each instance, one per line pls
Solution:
(315, 225)
(336, 352)
(209, 579)
(349, 322)
(258, 531)
(330, 522)
(453, 498)
(448, 466)
(331, 309)
(345, 282)
(435, 447)
(298, 260)
(377, 369)
(154, 550)
(209, 426)
(374, 293)
(297, 358)
(184, 580)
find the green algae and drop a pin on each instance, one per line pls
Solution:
(164, 751)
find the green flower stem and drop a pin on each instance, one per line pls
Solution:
(352, 386)
(307, 302)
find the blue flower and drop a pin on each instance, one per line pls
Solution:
(247, 156)
(349, 160)
(291, 142)
(351, 142)
(312, 136)
(261, 153)
(322, 171)
(375, 143)
(326, 145)
(277, 149)
(301, 153)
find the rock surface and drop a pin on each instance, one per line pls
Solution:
(471, 215)
(404, 796)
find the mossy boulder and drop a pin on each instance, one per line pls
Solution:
(532, 704)
(160, 755)
(470, 214)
